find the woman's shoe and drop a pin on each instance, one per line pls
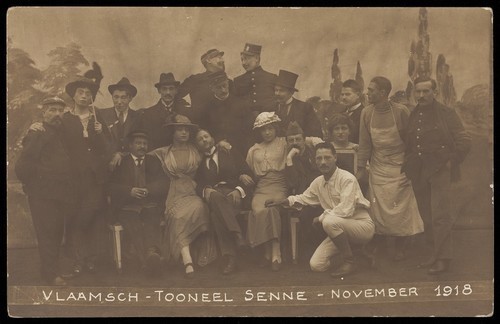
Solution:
(189, 275)
(276, 266)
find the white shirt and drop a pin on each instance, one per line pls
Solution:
(353, 108)
(136, 159)
(125, 114)
(339, 196)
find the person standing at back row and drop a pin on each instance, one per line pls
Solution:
(255, 86)
(436, 145)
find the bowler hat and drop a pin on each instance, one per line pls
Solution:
(123, 84)
(181, 120)
(251, 49)
(217, 77)
(81, 82)
(287, 79)
(167, 79)
(53, 101)
(210, 54)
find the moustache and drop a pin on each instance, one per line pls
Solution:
(294, 146)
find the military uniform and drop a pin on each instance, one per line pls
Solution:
(436, 143)
(256, 88)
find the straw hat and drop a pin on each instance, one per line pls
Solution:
(265, 118)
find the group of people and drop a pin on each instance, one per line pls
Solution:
(176, 176)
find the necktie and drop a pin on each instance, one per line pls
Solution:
(212, 166)
(121, 121)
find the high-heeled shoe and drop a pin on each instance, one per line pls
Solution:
(189, 275)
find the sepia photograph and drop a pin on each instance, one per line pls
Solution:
(249, 162)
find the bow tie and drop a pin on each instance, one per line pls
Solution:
(210, 155)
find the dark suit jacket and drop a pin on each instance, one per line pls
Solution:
(154, 119)
(122, 181)
(355, 118)
(303, 113)
(229, 119)
(231, 166)
(44, 166)
(256, 88)
(303, 171)
(87, 153)
(118, 144)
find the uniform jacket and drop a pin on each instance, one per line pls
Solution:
(122, 181)
(118, 144)
(44, 166)
(197, 87)
(303, 113)
(87, 153)
(256, 88)
(154, 119)
(303, 171)
(231, 165)
(441, 138)
(229, 119)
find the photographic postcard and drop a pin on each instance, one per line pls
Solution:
(48, 47)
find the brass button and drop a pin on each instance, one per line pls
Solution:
(419, 153)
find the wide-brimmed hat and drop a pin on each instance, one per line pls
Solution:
(210, 54)
(287, 79)
(53, 101)
(123, 84)
(81, 82)
(167, 79)
(181, 120)
(265, 118)
(217, 77)
(251, 49)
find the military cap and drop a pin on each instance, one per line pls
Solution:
(217, 77)
(211, 54)
(251, 49)
(53, 101)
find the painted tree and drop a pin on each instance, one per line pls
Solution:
(336, 85)
(446, 90)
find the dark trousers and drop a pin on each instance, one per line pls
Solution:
(309, 236)
(143, 228)
(433, 199)
(48, 219)
(223, 217)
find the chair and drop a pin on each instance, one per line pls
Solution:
(116, 230)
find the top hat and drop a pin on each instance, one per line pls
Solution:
(251, 49)
(167, 79)
(123, 84)
(181, 120)
(210, 54)
(81, 82)
(53, 101)
(287, 79)
(217, 77)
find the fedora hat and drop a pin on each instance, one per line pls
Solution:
(210, 54)
(181, 120)
(81, 82)
(123, 84)
(251, 49)
(137, 133)
(287, 79)
(167, 79)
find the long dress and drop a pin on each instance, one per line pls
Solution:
(186, 214)
(393, 208)
(267, 161)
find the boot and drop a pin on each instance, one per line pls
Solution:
(400, 246)
(347, 267)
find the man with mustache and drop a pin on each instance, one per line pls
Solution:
(138, 192)
(436, 144)
(290, 109)
(350, 96)
(345, 218)
(155, 118)
(197, 86)
(255, 86)
(45, 169)
(120, 119)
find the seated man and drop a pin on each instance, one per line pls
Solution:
(345, 218)
(300, 171)
(223, 180)
(138, 192)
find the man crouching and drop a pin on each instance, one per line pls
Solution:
(345, 218)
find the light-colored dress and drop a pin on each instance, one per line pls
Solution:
(393, 208)
(267, 161)
(186, 214)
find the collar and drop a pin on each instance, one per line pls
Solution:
(426, 108)
(125, 113)
(213, 150)
(135, 158)
(289, 101)
(165, 105)
(353, 108)
(258, 68)
(222, 99)
(332, 176)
